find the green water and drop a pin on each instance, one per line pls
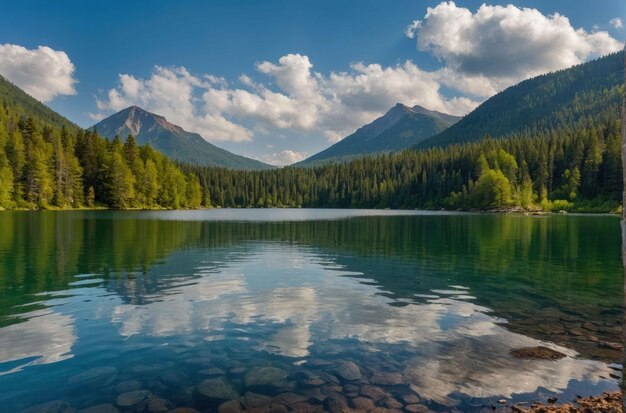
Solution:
(428, 307)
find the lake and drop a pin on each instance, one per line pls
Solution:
(305, 310)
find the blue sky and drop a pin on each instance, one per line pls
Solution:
(286, 109)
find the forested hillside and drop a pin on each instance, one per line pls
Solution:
(566, 99)
(42, 166)
(562, 170)
(25, 105)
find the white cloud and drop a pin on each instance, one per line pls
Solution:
(617, 22)
(498, 46)
(97, 117)
(293, 75)
(285, 157)
(42, 72)
(411, 30)
(301, 100)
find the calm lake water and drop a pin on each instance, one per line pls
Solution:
(304, 309)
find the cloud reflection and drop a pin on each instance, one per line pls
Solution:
(45, 337)
(458, 346)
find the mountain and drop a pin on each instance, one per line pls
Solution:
(27, 106)
(554, 101)
(400, 128)
(171, 140)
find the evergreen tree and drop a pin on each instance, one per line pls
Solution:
(38, 181)
(120, 182)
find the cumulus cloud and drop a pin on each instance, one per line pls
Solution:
(42, 72)
(617, 22)
(500, 45)
(412, 29)
(98, 116)
(294, 97)
(286, 157)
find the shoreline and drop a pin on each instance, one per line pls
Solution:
(512, 210)
(603, 403)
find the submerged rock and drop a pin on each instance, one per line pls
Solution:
(373, 392)
(336, 403)
(306, 408)
(217, 389)
(303, 374)
(537, 353)
(330, 378)
(132, 399)
(264, 376)
(97, 376)
(172, 378)
(198, 361)
(100, 408)
(307, 378)
(157, 405)
(213, 371)
(184, 396)
(183, 410)
(149, 368)
(312, 382)
(363, 403)
(392, 403)
(290, 398)
(278, 408)
(232, 406)
(416, 408)
(349, 371)
(315, 395)
(252, 400)
(330, 389)
(128, 385)
(410, 398)
(55, 406)
(387, 379)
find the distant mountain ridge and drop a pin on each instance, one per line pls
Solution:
(171, 140)
(400, 128)
(554, 100)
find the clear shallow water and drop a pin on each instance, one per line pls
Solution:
(428, 307)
